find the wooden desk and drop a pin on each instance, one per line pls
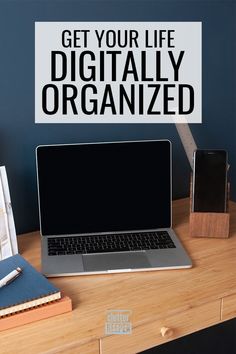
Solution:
(184, 300)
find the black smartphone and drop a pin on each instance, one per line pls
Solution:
(210, 181)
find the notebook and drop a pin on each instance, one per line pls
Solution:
(30, 289)
(48, 310)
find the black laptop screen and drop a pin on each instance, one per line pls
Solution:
(89, 188)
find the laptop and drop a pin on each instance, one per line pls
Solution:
(106, 208)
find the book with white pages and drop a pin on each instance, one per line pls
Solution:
(8, 240)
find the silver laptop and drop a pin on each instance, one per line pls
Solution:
(106, 208)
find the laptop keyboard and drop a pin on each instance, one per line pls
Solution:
(109, 243)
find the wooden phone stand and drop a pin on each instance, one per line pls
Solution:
(205, 224)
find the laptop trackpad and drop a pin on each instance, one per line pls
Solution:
(110, 261)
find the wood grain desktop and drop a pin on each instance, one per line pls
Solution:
(164, 305)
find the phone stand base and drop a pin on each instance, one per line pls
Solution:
(207, 224)
(215, 225)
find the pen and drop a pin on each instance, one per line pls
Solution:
(10, 277)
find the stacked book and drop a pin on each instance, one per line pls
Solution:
(26, 295)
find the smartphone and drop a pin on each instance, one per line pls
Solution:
(210, 181)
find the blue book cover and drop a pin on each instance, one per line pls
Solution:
(29, 285)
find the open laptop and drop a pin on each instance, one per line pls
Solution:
(106, 207)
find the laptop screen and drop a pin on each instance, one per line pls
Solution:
(104, 187)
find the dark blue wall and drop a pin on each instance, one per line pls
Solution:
(18, 133)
